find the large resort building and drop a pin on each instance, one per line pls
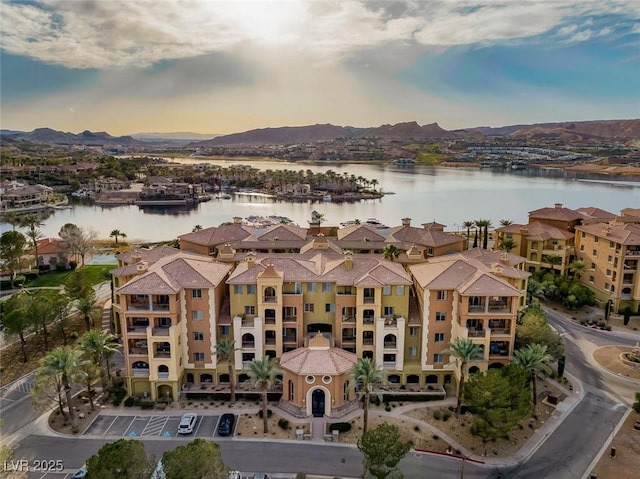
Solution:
(314, 304)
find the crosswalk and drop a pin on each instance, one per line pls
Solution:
(155, 426)
(22, 385)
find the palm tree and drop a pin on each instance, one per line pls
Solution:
(390, 252)
(367, 376)
(463, 350)
(468, 225)
(507, 244)
(89, 308)
(12, 218)
(374, 182)
(506, 222)
(534, 359)
(553, 260)
(63, 364)
(196, 228)
(98, 345)
(577, 267)
(32, 223)
(263, 373)
(225, 349)
(535, 289)
(117, 233)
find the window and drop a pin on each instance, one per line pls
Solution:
(196, 293)
(439, 337)
(581, 247)
(610, 259)
(198, 336)
(591, 279)
(388, 311)
(237, 289)
(438, 358)
(327, 287)
(308, 307)
(430, 251)
(329, 308)
(386, 290)
(442, 295)
(595, 253)
(583, 234)
(225, 330)
(400, 290)
(412, 351)
(312, 287)
(196, 315)
(198, 357)
(440, 316)
(252, 289)
(596, 239)
(413, 331)
(509, 235)
(606, 286)
(611, 244)
(249, 310)
(608, 272)
(593, 266)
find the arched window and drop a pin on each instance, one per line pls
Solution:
(413, 379)
(290, 389)
(394, 378)
(206, 378)
(269, 295)
(432, 379)
(345, 391)
(223, 378)
(248, 341)
(390, 341)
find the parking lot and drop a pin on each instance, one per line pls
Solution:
(150, 426)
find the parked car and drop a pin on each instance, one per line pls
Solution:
(187, 423)
(235, 475)
(80, 473)
(225, 426)
(261, 475)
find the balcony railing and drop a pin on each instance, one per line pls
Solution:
(477, 333)
(499, 306)
(270, 341)
(500, 331)
(269, 299)
(160, 331)
(348, 340)
(348, 319)
(367, 342)
(140, 372)
(632, 252)
(245, 364)
(248, 344)
(389, 364)
(288, 339)
(390, 323)
(137, 329)
(476, 308)
(270, 320)
(369, 300)
(367, 321)
(290, 319)
(247, 321)
(390, 345)
(139, 351)
(163, 375)
(162, 354)
(144, 306)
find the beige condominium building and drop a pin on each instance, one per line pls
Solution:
(315, 310)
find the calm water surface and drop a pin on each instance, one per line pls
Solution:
(446, 195)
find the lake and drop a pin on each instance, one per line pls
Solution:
(446, 195)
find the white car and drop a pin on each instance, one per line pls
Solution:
(235, 475)
(187, 423)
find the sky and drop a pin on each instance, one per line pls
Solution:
(219, 67)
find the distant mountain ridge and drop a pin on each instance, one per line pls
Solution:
(595, 130)
(178, 135)
(582, 130)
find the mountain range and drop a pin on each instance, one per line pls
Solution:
(579, 131)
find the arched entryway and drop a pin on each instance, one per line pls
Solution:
(165, 392)
(317, 402)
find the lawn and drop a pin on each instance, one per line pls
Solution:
(95, 275)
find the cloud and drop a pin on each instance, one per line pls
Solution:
(111, 34)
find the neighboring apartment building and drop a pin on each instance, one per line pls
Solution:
(463, 297)
(611, 253)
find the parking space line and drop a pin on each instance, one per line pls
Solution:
(114, 420)
(130, 424)
(153, 425)
(200, 420)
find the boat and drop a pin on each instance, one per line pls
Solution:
(327, 198)
(375, 223)
(404, 162)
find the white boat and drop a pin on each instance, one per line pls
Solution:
(375, 223)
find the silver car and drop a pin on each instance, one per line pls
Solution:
(187, 423)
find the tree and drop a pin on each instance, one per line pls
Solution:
(498, 401)
(97, 346)
(382, 449)
(196, 228)
(78, 241)
(374, 182)
(47, 390)
(77, 286)
(41, 311)
(117, 233)
(12, 248)
(12, 218)
(577, 267)
(463, 350)
(534, 359)
(507, 245)
(32, 223)
(122, 459)
(16, 319)
(390, 252)
(533, 328)
(199, 459)
(552, 260)
(89, 373)
(506, 222)
(263, 374)
(468, 225)
(636, 404)
(475, 239)
(89, 309)
(225, 349)
(367, 376)
(61, 307)
(63, 364)
(535, 289)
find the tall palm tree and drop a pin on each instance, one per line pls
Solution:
(263, 374)
(63, 363)
(98, 345)
(553, 260)
(468, 225)
(12, 218)
(390, 252)
(196, 228)
(577, 267)
(89, 308)
(367, 376)
(225, 349)
(506, 222)
(32, 224)
(534, 358)
(117, 233)
(463, 350)
(374, 182)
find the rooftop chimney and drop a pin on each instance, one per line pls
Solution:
(406, 221)
(250, 258)
(348, 260)
(558, 205)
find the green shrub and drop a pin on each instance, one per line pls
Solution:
(130, 401)
(601, 324)
(340, 426)
(387, 408)
(301, 475)
(284, 424)
(437, 415)
(146, 404)
(446, 415)
(119, 396)
(269, 413)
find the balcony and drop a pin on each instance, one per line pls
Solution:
(632, 252)
(368, 321)
(476, 308)
(498, 331)
(146, 306)
(138, 351)
(247, 320)
(137, 329)
(389, 364)
(348, 340)
(390, 322)
(270, 341)
(249, 344)
(163, 375)
(390, 345)
(369, 300)
(348, 319)
(367, 342)
(160, 331)
(140, 372)
(289, 339)
(499, 307)
(245, 364)
(290, 319)
(477, 333)
(269, 299)
(162, 354)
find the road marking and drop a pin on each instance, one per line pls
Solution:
(200, 419)
(114, 420)
(155, 426)
(130, 424)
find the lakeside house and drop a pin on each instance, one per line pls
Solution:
(16, 196)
